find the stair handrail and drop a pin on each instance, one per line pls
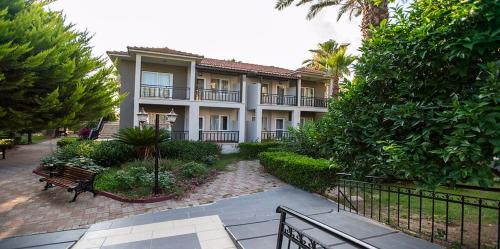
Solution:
(94, 132)
(316, 224)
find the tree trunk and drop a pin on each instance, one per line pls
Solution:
(30, 137)
(373, 14)
(335, 89)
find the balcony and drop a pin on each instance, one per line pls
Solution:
(278, 99)
(220, 136)
(164, 92)
(314, 102)
(218, 95)
(274, 135)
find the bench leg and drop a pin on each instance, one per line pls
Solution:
(3, 153)
(76, 194)
(47, 186)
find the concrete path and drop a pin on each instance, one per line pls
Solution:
(26, 209)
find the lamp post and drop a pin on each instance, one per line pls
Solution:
(142, 116)
(171, 117)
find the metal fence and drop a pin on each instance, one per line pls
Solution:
(299, 239)
(450, 217)
(218, 95)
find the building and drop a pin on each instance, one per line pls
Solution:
(218, 100)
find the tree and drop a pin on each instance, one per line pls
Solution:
(424, 104)
(372, 11)
(48, 76)
(333, 59)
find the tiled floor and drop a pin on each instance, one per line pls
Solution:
(205, 232)
(26, 209)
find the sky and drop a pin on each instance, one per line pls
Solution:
(247, 30)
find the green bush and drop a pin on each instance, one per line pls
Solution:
(304, 140)
(189, 150)
(424, 102)
(305, 172)
(66, 140)
(83, 148)
(112, 153)
(194, 170)
(251, 150)
(142, 138)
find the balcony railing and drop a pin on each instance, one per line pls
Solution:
(179, 135)
(167, 92)
(220, 136)
(278, 99)
(218, 95)
(315, 102)
(275, 135)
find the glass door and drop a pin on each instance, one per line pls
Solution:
(280, 98)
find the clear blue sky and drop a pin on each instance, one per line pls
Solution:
(247, 30)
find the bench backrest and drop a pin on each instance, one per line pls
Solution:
(76, 173)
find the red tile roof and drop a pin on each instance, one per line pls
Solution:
(228, 65)
(245, 67)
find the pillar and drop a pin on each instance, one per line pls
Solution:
(299, 92)
(192, 80)
(258, 124)
(194, 114)
(137, 88)
(295, 118)
(241, 124)
(330, 88)
(243, 88)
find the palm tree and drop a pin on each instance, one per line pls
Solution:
(333, 59)
(373, 13)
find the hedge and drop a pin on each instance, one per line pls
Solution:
(189, 150)
(316, 175)
(66, 141)
(112, 153)
(251, 150)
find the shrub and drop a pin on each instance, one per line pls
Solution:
(84, 133)
(6, 142)
(112, 153)
(66, 140)
(304, 140)
(194, 170)
(305, 172)
(143, 139)
(250, 150)
(81, 162)
(197, 151)
(82, 148)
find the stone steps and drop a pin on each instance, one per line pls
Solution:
(108, 130)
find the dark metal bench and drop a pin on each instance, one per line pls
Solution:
(74, 179)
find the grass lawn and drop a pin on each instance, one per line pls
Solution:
(36, 138)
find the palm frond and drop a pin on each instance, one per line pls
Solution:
(350, 6)
(281, 4)
(320, 5)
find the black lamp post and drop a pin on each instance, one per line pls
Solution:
(171, 117)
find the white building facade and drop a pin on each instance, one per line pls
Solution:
(218, 100)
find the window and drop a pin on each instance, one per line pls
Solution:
(200, 83)
(219, 84)
(253, 118)
(280, 124)
(265, 126)
(219, 123)
(201, 123)
(265, 89)
(307, 92)
(157, 79)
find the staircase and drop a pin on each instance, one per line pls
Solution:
(108, 130)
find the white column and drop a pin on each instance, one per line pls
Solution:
(137, 88)
(192, 80)
(194, 114)
(296, 118)
(243, 90)
(258, 120)
(330, 88)
(241, 124)
(299, 95)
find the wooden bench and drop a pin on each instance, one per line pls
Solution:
(74, 179)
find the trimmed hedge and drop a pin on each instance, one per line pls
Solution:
(189, 150)
(251, 150)
(66, 141)
(316, 175)
(112, 153)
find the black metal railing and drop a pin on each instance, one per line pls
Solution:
(313, 101)
(220, 136)
(275, 135)
(448, 217)
(304, 241)
(278, 99)
(217, 95)
(94, 132)
(151, 91)
(179, 135)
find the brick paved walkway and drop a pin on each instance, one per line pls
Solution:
(25, 209)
